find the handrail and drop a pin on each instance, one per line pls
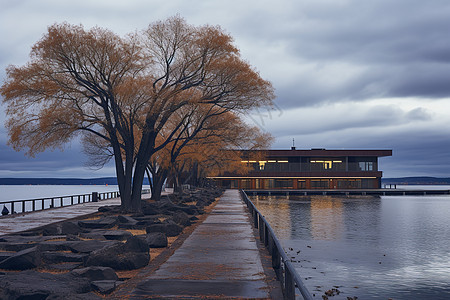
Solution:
(282, 265)
(52, 202)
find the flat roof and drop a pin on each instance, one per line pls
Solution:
(323, 152)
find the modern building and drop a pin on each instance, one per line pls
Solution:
(306, 169)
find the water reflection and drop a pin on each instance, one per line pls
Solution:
(327, 218)
(371, 247)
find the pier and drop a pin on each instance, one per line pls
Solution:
(348, 192)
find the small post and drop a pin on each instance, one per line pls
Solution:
(289, 285)
(94, 197)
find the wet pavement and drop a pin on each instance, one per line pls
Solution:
(220, 259)
(21, 222)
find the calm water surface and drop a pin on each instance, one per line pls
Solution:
(25, 192)
(394, 247)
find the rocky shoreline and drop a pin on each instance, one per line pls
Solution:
(90, 258)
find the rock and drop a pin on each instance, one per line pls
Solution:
(23, 260)
(118, 235)
(109, 208)
(126, 219)
(96, 273)
(181, 218)
(127, 222)
(104, 286)
(135, 244)
(89, 246)
(71, 228)
(169, 228)
(34, 285)
(52, 229)
(156, 240)
(57, 245)
(150, 209)
(5, 255)
(121, 256)
(66, 266)
(106, 222)
(16, 246)
(51, 257)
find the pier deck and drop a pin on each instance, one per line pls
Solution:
(348, 192)
(219, 259)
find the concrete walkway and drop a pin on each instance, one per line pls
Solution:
(20, 222)
(220, 259)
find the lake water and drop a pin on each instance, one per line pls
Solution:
(385, 247)
(25, 192)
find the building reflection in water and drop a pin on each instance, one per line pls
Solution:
(276, 210)
(327, 218)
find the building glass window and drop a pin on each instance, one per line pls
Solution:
(246, 183)
(283, 183)
(366, 166)
(320, 184)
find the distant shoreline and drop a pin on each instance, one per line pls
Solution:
(61, 181)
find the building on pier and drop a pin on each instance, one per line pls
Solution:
(306, 169)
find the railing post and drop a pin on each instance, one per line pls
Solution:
(52, 205)
(94, 197)
(12, 207)
(289, 285)
(23, 206)
(262, 229)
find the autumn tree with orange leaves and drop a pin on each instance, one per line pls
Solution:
(206, 142)
(123, 90)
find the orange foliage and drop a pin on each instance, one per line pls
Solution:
(127, 92)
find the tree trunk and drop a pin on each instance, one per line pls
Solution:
(123, 178)
(158, 182)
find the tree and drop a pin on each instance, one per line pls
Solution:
(123, 90)
(206, 146)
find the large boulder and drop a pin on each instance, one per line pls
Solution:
(170, 228)
(181, 218)
(23, 260)
(150, 209)
(127, 222)
(133, 254)
(96, 273)
(156, 240)
(104, 286)
(51, 257)
(35, 285)
(91, 245)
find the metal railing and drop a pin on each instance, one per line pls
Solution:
(30, 205)
(284, 269)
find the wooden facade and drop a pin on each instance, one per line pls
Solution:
(307, 169)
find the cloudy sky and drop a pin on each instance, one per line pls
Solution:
(348, 74)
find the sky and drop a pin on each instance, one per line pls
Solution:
(348, 74)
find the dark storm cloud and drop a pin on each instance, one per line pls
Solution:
(347, 73)
(397, 49)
